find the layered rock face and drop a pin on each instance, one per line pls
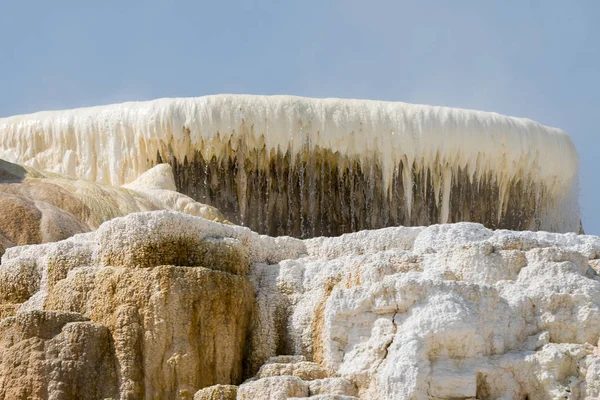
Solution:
(180, 304)
(454, 311)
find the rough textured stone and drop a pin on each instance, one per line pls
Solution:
(447, 311)
(19, 278)
(331, 386)
(273, 388)
(55, 355)
(8, 310)
(217, 392)
(304, 370)
(175, 328)
(160, 242)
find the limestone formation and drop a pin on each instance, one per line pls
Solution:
(119, 280)
(448, 311)
(176, 329)
(275, 388)
(331, 386)
(285, 377)
(439, 312)
(305, 370)
(177, 308)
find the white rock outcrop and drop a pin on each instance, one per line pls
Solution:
(440, 312)
(447, 311)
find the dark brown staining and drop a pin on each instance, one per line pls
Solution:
(321, 193)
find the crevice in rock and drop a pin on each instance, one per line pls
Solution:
(389, 343)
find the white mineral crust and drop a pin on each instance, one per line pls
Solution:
(446, 311)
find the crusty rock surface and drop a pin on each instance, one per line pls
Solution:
(177, 308)
(175, 329)
(331, 386)
(274, 388)
(304, 370)
(217, 392)
(446, 311)
(284, 377)
(55, 355)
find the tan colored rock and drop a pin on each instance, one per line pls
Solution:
(332, 386)
(156, 244)
(273, 388)
(175, 329)
(329, 397)
(19, 220)
(304, 370)
(8, 310)
(19, 280)
(450, 311)
(47, 192)
(24, 267)
(55, 355)
(65, 256)
(42, 207)
(5, 243)
(217, 392)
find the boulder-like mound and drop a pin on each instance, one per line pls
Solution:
(286, 165)
(40, 207)
(195, 308)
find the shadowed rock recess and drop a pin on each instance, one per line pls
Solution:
(319, 193)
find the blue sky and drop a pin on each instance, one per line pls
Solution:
(538, 59)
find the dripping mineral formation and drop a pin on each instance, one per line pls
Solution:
(311, 167)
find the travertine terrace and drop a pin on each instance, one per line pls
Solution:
(311, 167)
(446, 311)
(121, 279)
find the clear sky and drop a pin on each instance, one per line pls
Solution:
(538, 59)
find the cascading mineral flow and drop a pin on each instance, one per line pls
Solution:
(304, 167)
